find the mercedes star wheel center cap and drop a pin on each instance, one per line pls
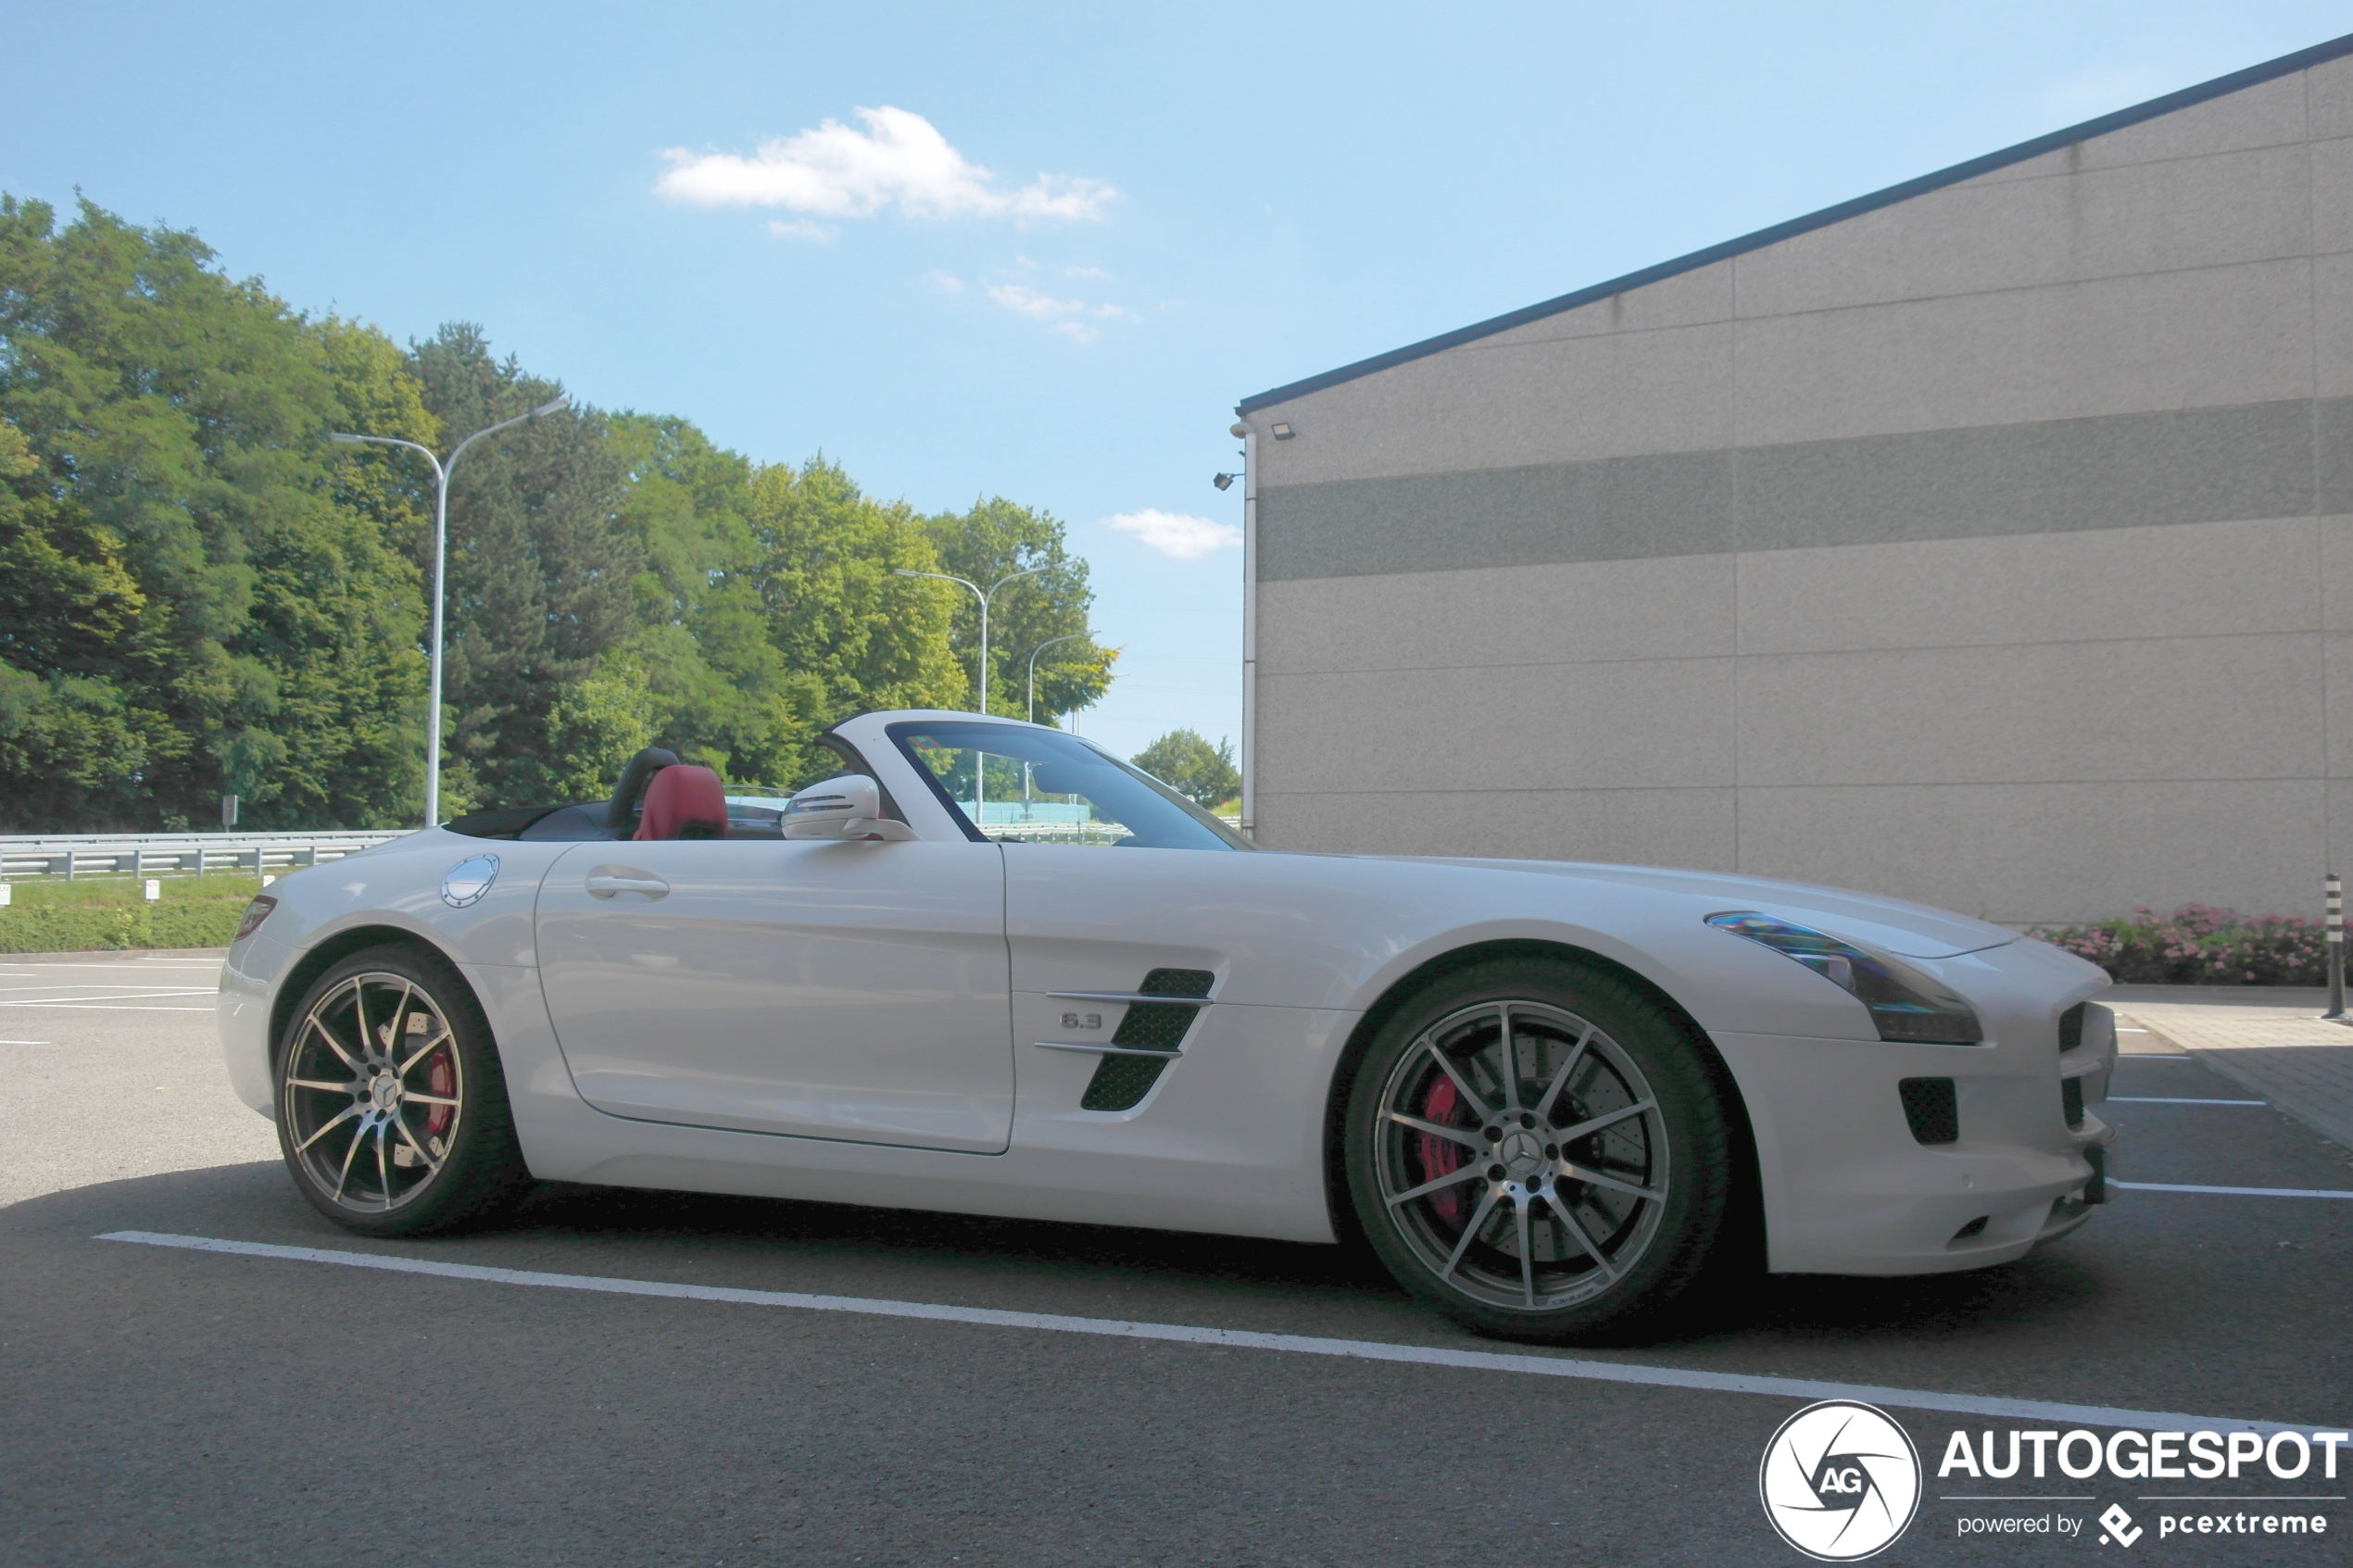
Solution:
(1522, 1154)
(386, 1091)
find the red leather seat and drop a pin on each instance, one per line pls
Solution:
(685, 801)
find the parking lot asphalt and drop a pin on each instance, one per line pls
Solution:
(166, 1406)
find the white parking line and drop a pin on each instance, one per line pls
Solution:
(23, 1042)
(141, 995)
(2230, 1192)
(2161, 1099)
(22, 963)
(1295, 1343)
(103, 1006)
(52, 983)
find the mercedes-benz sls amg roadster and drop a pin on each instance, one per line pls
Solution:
(987, 968)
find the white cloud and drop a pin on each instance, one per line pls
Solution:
(1072, 317)
(802, 229)
(1022, 300)
(898, 160)
(1174, 533)
(946, 282)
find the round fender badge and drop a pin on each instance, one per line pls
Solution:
(1840, 1481)
(469, 880)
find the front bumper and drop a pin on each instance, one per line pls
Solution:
(248, 981)
(1849, 1188)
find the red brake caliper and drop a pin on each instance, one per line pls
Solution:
(443, 1082)
(1441, 1157)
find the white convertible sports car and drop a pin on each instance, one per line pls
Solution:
(988, 968)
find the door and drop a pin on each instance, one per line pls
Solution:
(822, 989)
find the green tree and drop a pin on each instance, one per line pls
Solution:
(200, 595)
(541, 570)
(701, 633)
(992, 541)
(852, 634)
(193, 606)
(68, 610)
(596, 726)
(1202, 773)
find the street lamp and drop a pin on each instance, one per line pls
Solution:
(984, 599)
(1033, 668)
(440, 573)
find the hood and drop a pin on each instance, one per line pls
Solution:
(1893, 925)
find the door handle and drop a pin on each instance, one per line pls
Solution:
(604, 884)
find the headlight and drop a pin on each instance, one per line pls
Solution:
(256, 913)
(1907, 1005)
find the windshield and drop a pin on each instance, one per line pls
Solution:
(1021, 785)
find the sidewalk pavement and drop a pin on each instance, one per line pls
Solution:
(2274, 1042)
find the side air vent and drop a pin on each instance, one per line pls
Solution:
(1154, 1026)
(2071, 1100)
(1177, 983)
(1122, 1082)
(2072, 1028)
(1931, 1108)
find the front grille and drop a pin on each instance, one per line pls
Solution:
(1931, 1109)
(1121, 1081)
(2071, 1027)
(2071, 1100)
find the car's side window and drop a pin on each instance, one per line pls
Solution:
(1015, 784)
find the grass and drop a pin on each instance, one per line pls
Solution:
(52, 915)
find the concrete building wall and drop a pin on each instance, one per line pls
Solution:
(1993, 547)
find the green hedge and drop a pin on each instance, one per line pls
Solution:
(71, 928)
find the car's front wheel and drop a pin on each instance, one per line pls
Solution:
(1540, 1151)
(392, 1110)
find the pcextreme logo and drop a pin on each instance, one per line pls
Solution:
(1840, 1481)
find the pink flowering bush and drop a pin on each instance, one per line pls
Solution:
(2200, 945)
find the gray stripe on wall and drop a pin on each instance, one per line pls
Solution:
(1612, 509)
(2123, 470)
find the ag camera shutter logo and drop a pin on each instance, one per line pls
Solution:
(1840, 1481)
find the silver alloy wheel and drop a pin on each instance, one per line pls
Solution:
(372, 1093)
(1522, 1156)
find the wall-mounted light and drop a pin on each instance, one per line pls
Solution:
(1284, 432)
(1226, 481)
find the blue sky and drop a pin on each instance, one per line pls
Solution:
(1080, 235)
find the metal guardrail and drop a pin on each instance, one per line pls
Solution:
(178, 854)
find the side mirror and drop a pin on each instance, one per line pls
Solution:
(850, 807)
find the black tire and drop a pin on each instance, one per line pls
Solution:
(1587, 1238)
(392, 1044)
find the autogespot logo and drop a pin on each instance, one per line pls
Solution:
(1840, 1481)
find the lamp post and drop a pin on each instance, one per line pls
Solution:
(2333, 913)
(1033, 667)
(984, 599)
(440, 573)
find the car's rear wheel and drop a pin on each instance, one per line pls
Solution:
(1539, 1149)
(392, 1110)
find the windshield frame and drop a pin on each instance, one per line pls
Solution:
(1227, 838)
